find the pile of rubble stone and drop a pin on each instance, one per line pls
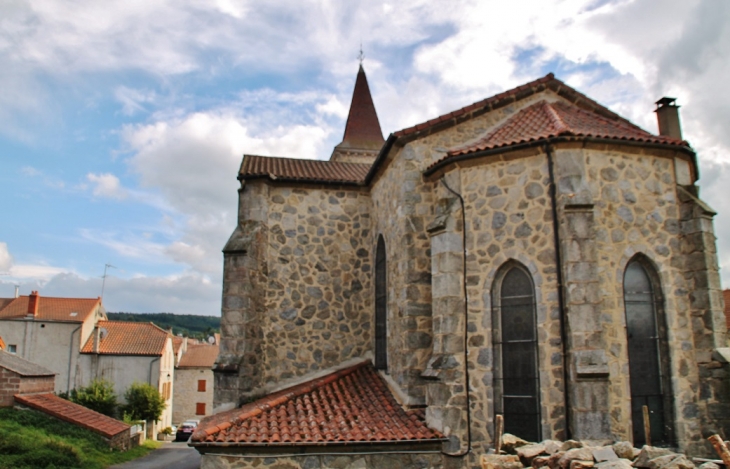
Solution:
(571, 454)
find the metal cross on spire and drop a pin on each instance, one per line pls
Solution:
(361, 55)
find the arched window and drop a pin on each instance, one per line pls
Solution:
(381, 306)
(646, 331)
(516, 387)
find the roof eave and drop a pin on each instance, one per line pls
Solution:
(278, 179)
(561, 139)
(225, 444)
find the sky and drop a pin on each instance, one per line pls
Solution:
(122, 124)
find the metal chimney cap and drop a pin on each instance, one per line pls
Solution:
(666, 101)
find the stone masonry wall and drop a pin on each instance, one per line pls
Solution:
(334, 461)
(318, 298)
(613, 205)
(401, 209)
(297, 286)
(239, 369)
(508, 218)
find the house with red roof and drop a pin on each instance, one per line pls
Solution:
(532, 255)
(50, 331)
(127, 352)
(194, 383)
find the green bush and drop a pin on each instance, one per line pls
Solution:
(144, 402)
(33, 440)
(98, 395)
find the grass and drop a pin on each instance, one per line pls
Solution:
(32, 440)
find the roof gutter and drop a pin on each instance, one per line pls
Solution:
(554, 140)
(226, 444)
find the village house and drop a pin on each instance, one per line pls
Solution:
(50, 331)
(193, 390)
(532, 255)
(27, 385)
(127, 352)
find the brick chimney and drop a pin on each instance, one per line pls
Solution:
(33, 301)
(667, 113)
(97, 337)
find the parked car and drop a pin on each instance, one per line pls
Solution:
(185, 430)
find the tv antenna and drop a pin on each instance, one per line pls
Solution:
(103, 282)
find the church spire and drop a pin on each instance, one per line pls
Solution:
(363, 137)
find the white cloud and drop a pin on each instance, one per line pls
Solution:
(184, 294)
(107, 185)
(133, 100)
(36, 272)
(6, 260)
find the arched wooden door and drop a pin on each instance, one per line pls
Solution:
(517, 382)
(648, 355)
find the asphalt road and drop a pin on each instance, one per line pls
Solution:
(170, 455)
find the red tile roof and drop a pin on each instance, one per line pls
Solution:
(298, 170)
(78, 415)
(510, 96)
(21, 366)
(129, 338)
(543, 120)
(362, 130)
(52, 309)
(726, 297)
(199, 356)
(349, 406)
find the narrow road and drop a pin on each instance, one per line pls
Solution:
(173, 455)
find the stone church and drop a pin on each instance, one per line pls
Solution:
(533, 255)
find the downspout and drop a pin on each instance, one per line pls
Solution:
(561, 297)
(151, 363)
(70, 356)
(466, 326)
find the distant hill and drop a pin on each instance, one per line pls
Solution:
(189, 325)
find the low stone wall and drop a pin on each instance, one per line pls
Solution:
(350, 461)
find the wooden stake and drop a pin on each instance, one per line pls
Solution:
(498, 428)
(721, 449)
(647, 425)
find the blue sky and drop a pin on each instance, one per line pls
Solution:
(122, 124)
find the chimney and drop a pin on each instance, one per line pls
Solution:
(17, 291)
(97, 337)
(667, 113)
(33, 301)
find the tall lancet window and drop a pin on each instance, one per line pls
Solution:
(648, 348)
(516, 380)
(381, 307)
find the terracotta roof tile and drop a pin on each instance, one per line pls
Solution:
(78, 415)
(485, 103)
(199, 356)
(352, 405)
(362, 130)
(21, 366)
(52, 309)
(726, 297)
(299, 170)
(129, 338)
(544, 120)
(506, 97)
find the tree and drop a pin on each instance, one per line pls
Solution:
(144, 402)
(98, 395)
